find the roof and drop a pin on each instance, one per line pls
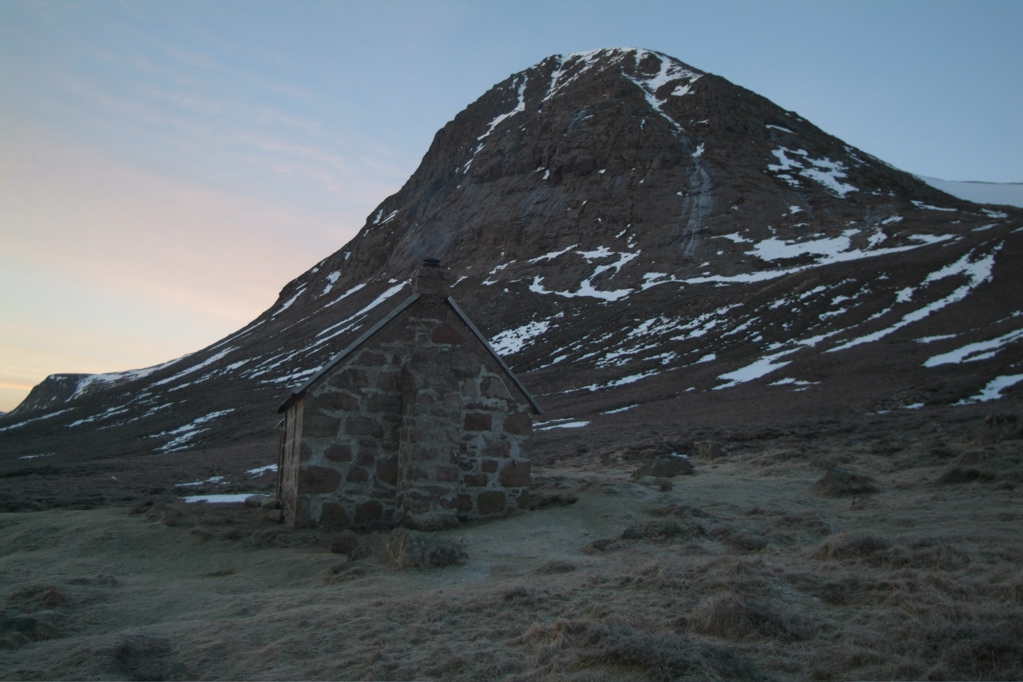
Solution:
(372, 331)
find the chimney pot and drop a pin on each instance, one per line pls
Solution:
(432, 279)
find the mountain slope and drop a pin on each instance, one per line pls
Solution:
(627, 230)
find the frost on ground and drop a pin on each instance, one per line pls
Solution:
(222, 498)
(883, 554)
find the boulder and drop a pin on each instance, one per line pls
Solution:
(345, 543)
(665, 466)
(412, 549)
(275, 516)
(709, 449)
(840, 481)
(656, 482)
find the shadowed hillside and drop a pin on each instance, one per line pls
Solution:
(628, 231)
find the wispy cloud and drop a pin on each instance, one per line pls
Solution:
(145, 254)
(17, 385)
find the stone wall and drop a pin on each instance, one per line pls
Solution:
(419, 426)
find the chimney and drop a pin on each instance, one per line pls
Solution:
(431, 280)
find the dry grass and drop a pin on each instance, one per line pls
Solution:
(851, 546)
(587, 649)
(733, 574)
(736, 618)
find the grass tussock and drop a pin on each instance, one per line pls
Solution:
(1012, 590)
(843, 482)
(850, 546)
(1001, 427)
(737, 617)
(933, 553)
(750, 539)
(984, 650)
(959, 474)
(555, 566)
(589, 648)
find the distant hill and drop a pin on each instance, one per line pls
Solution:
(998, 193)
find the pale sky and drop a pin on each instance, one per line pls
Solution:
(167, 166)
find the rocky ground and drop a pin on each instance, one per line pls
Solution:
(874, 550)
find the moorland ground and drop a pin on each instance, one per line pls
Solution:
(871, 555)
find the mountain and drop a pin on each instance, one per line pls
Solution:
(998, 193)
(658, 253)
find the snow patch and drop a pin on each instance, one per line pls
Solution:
(760, 368)
(620, 409)
(183, 434)
(994, 388)
(668, 72)
(621, 382)
(294, 377)
(788, 381)
(232, 498)
(823, 171)
(499, 268)
(287, 304)
(85, 383)
(332, 330)
(552, 255)
(348, 293)
(586, 288)
(107, 414)
(932, 339)
(512, 341)
(736, 238)
(331, 280)
(971, 352)
(563, 425)
(195, 368)
(977, 272)
(195, 484)
(928, 207)
(519, 107)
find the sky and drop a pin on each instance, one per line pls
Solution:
(167, 166)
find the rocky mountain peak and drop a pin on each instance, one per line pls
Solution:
(625, 150)
(627, 230)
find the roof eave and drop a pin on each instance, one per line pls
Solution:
(365, 336)
(486, 344)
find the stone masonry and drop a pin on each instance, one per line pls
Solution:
(418, 425)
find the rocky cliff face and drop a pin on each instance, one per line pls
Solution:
(628, 231)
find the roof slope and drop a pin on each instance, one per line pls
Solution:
(372, 331)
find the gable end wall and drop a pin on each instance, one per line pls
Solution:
(461, 441)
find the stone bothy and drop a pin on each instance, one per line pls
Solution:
(417, 423)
